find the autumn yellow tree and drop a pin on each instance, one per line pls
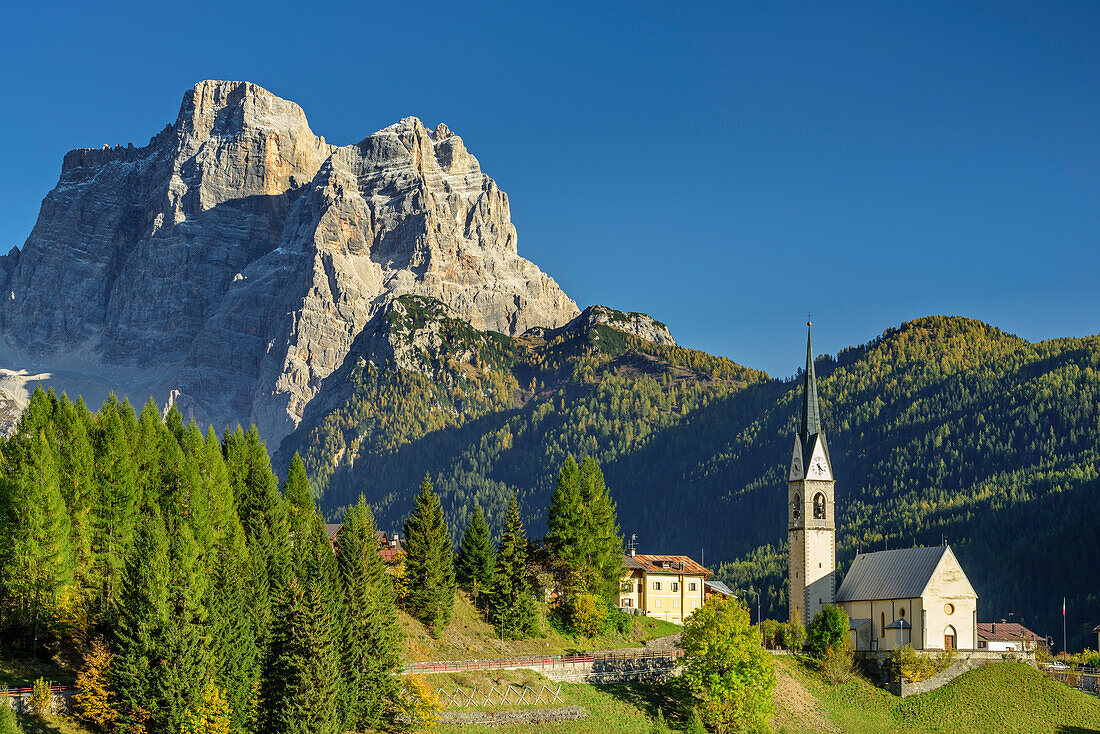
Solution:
(419, 705)
(213, 717)
(94, 698)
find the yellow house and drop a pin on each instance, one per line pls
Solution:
(668, 587)
(911, 596)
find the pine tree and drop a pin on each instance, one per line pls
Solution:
(566, 525)
(371, 640)
(429, 561)
(511, 606)
(298, 691)
(8, 723)
(604, 565)
(583, 537)
(140, 612)
(474, 567)
(233, 650)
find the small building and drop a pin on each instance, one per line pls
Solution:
(911, 596)
(389, 545)
(1007, 636)
(716, 588)
(667, 587)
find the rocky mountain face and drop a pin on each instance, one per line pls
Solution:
(234, 262)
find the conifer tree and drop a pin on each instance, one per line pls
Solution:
(117, 502)
(429, 561)
(511, 606)
(36, 559)
(140, 612)
(583, 533)
(604, 564)
(298, 691)
(371, 640)
(78, 488)
(8, 723)
(476, 560)
(233, 651)
(566, 524)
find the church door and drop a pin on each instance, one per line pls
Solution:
(949, 638)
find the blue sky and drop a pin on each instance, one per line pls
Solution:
(725, 167)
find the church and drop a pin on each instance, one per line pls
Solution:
(910, 596)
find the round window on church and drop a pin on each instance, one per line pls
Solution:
(948, 608)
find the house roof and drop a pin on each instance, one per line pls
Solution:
(656, 564)
(1096, 628)
(893, 574)
(333, 529)
(718, 587)
(1005, 632)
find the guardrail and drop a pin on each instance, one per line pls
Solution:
(447, 666)
(1084, 679)
(27, 690)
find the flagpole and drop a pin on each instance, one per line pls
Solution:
(1064, 647)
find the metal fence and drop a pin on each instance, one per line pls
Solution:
(538, 661)
(508, 696)
(1085, 679)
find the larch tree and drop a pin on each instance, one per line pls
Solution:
(429, 562)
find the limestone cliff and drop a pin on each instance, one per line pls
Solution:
(234, 260)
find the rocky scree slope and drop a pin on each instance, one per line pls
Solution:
(231, 263)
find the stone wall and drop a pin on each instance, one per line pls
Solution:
(61, 702)
(876, 666)
(501, 718)
(614, 670)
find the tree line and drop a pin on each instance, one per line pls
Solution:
(188, 584)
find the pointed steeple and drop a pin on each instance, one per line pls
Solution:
(811, 417)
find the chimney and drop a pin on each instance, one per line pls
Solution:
(631, 551)
(994, 628)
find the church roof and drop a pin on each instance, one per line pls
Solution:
(811, 415)
(892, 574)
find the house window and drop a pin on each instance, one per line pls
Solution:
(658, 603)
(981, 643)
(675, 585)
(819, 506)
(691, 586)
(656, 585)
(627, 602)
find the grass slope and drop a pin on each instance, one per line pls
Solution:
(470, 637)
(628, 708)
(1006, 697)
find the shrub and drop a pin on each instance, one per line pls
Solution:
(790, 636)
(659, 726)
(769, 631)
(588, 614)
(836, 662)
(620, 621)
(8, 723)
(916, 666)
(41, 699)
(695, 723)
(419, 705)
(828, 629)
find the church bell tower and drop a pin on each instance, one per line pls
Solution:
(811, 524)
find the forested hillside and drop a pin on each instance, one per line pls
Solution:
(944, 428)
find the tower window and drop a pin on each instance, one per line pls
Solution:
(819, 506)
(796, 507)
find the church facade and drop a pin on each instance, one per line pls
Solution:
(910, 596)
